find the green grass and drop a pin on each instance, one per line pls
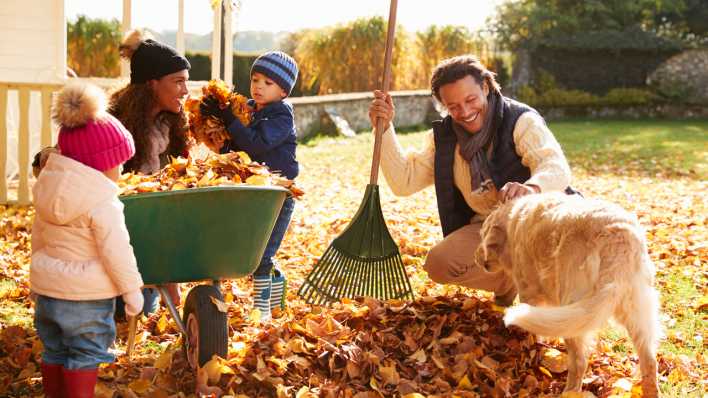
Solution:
(646, 147)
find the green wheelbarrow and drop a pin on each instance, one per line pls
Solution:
(201, 234)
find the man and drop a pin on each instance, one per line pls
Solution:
(489, 149)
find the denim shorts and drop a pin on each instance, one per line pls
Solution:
(75, 334)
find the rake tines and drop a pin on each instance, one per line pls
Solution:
(363, 261)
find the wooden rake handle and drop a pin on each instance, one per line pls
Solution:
(378, 132)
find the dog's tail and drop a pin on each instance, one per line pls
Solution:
(570, 320)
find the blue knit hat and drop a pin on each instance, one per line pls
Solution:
(279, 67)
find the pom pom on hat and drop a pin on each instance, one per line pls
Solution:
(131, 42)
(88, 134)
(77, 104)
(150, 59)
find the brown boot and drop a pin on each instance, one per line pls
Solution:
(80, 383)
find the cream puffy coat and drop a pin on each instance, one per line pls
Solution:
(80, 245)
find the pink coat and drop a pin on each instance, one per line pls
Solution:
(80, 246)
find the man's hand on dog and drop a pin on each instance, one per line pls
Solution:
(513, 190)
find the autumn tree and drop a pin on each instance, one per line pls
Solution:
(439, 42)
(92, 47)
(349, 57)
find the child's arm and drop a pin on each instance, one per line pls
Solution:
(115, 251)
(265, 135)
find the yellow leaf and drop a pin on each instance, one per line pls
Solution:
(545, 371)
(215, 368)
(258, 180)
(244, 157)
(228, 298)
(413, 395)
(575, 394)
(465, 383)
(389, 374)
(554, 360)
(304, 392)
(220, 305)
(165, 360)
(676, 376)
(140, 386)
(374, 384)
(162, 324)
(419, 356)
(255, 315)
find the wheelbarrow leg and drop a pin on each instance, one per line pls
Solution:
(173, 311)
(132, 330)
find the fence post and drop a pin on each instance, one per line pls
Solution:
(3, 144)
(23, 147)
(46, 118)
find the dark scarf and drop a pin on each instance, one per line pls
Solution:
(477, 148)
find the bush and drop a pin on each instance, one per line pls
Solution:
(557, 97)
(560, 97)
(629, 96)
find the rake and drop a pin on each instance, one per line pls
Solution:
(364, 260)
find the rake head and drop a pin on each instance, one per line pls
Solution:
(363, 261)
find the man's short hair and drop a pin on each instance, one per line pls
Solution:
(453, 69)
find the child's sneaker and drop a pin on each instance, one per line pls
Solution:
(262, 296)
(278, 289)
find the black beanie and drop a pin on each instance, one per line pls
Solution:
(152, 60)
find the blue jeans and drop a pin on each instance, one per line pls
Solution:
(276, 238)
(75, 334)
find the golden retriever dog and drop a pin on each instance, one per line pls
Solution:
(576, 262)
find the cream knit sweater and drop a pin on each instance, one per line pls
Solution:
(408, 172)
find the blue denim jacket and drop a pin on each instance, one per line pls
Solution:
(270, 138)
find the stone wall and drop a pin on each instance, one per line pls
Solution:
(412, 108)
(659, 111)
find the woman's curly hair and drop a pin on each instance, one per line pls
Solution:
(131, 105)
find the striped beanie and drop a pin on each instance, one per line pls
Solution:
(279, 67)
(87, 133)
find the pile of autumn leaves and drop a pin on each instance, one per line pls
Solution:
(230, 169)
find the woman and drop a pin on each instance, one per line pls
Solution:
(150, 107)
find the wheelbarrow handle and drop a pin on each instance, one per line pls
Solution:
(132, 330)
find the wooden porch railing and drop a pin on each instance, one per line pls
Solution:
(23, 134)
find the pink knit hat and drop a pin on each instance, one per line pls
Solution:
(88, 134)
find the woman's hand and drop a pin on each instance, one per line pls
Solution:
(381, 107)
(513, 190)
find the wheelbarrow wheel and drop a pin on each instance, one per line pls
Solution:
(206, 326)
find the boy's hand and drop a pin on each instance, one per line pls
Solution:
(211, 107)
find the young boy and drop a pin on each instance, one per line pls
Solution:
(269, 139)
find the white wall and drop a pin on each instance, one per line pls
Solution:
(32, 50)
(32, 41)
